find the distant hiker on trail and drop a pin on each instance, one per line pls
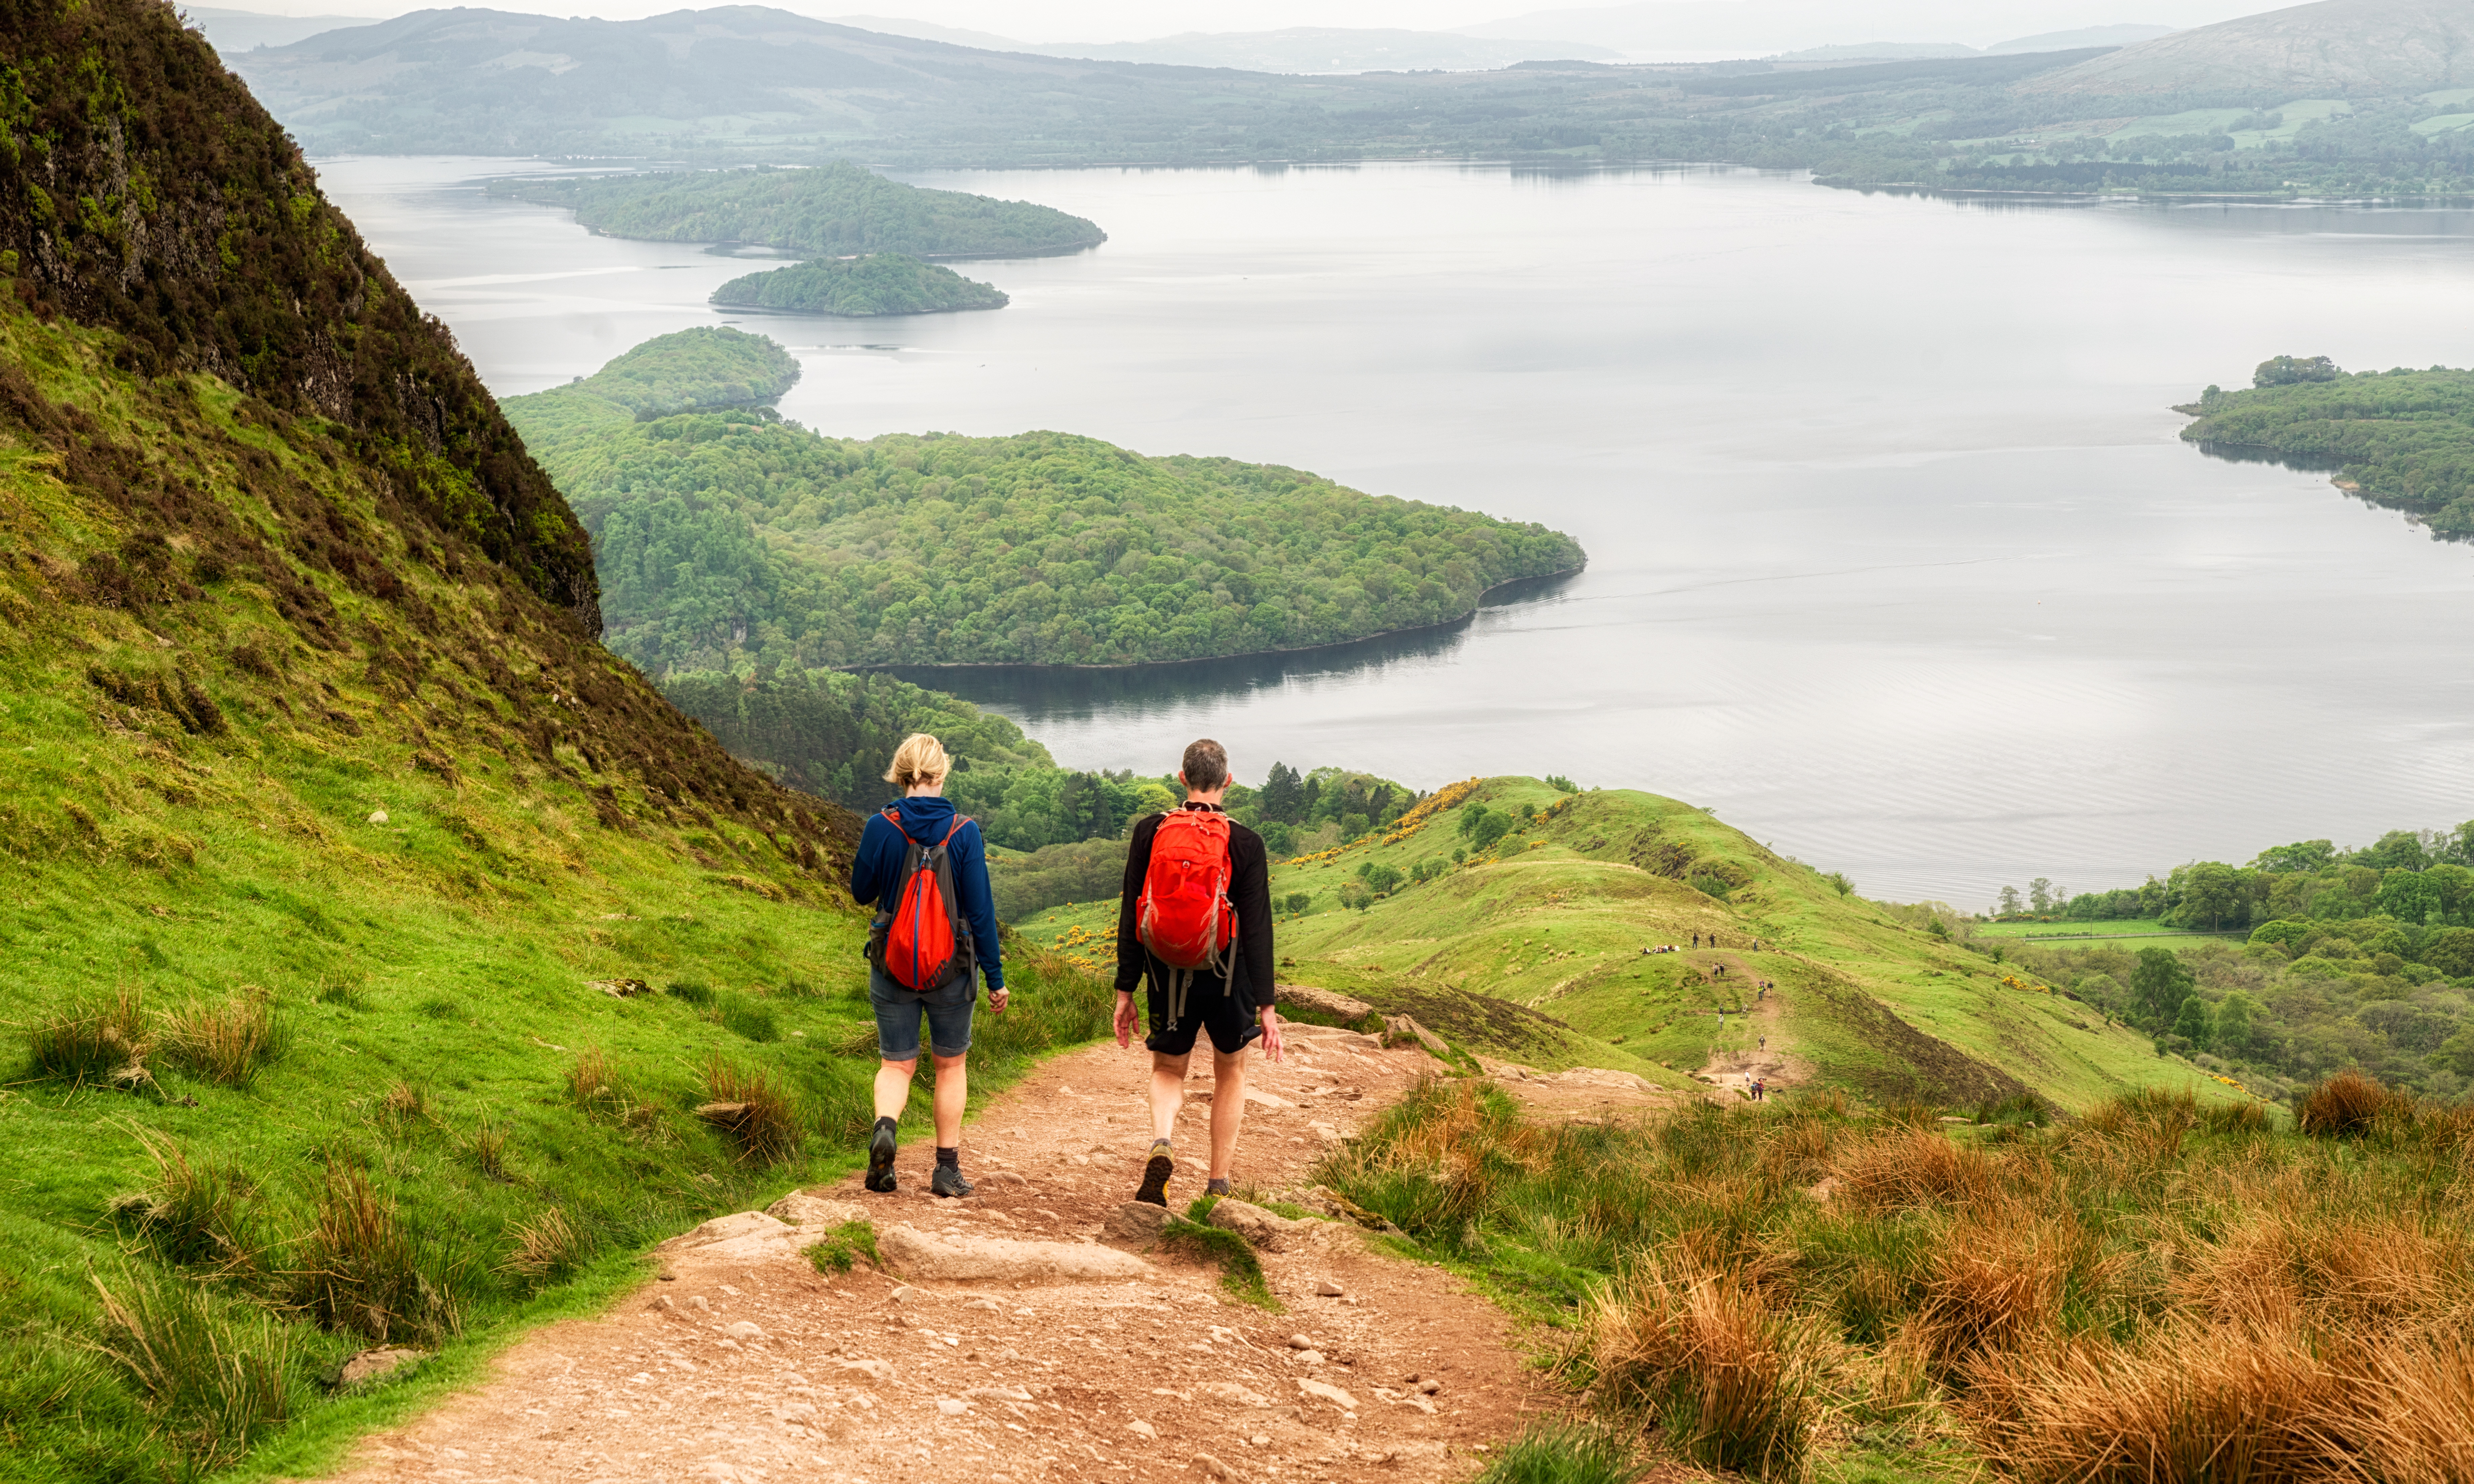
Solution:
(1696, 940)
(1194, 921)
(1759, 1088)
(935, 936)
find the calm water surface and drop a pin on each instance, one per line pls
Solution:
(1896, 560)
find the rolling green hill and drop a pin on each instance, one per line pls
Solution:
(1553, 917)
(734, 539)
(860, 288)
(834, 210)
(381, 960)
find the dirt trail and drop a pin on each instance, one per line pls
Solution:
(865, 1377)
(1768, 1058)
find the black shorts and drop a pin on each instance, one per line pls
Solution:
(1208, 1006)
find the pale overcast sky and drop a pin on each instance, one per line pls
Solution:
(1784, 22)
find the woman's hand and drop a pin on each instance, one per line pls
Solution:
(1125, 1019)
(1270, 1022)
(997, 998)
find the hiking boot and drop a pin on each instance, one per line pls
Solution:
(1216, 1187)
(1155, 1174)
(948, 1180)
(879, 1158)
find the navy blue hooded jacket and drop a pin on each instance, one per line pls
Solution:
(876, 871)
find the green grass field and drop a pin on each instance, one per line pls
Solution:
(2117, 927)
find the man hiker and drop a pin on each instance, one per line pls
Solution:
(1194, 922)
(933, 938)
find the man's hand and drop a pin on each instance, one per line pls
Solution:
(997, 999)
(1270, 1022)
(1124, 1017)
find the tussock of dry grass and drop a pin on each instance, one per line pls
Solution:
(1735, 1384)
(546, 1248)
(216, 1377)
(2156, 1293)
(228, 1040)
(357, 1269)
(101, 1041)
(195, 1214)
(755, 1108)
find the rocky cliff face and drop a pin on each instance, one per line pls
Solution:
(151, 195)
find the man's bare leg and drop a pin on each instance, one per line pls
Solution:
(1167, 1092)
(1168, 1099)
(1227, 1109)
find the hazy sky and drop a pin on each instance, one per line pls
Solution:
(1977, 23)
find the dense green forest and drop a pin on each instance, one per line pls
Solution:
(1060, 832)
(732, 539)
(711, 365)
(837, 209)
(809, 92)
(2404, 439)
(879, 283)
(2354, 958)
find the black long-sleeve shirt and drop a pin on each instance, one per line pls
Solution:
(1249, 892)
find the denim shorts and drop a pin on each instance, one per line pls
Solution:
(898, 1011)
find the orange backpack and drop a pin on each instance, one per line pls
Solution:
(925, 944)
(1184, 916)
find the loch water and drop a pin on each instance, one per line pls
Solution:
(1896, 560)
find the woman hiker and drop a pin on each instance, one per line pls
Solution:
(915, 850)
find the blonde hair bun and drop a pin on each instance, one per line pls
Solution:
(919, 759)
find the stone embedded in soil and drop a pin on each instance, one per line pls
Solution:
(800, 1209)
(1326, 1288)
(1143, 1429)
(371, 1365)
(1328, 1392)
(917, 1256)
(1260, 1228)
(744, 1330)
(1137, 1221)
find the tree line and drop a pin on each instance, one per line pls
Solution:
(733, 540)
(2400, 438)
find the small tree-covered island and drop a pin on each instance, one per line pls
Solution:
(833, 211)
(2400, 438)
(729, 538)
(882, 283)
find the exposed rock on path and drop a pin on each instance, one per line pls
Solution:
(750, 1366)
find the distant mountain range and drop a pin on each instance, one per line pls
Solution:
(2340, 48)
(2047, 42)
(1296, 49)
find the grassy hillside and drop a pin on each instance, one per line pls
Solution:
(1553, 917)
(381, 960)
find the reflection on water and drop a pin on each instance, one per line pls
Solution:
(1897, 560)
(1043, 694)
(2280, 458)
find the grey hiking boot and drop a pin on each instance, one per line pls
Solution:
(948, 1180)
(879, 1158)
(1155, 1174)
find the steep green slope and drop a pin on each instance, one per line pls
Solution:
(835, 211)
(1554, 917)
(734, 539)
(860, 288)
(370, 937)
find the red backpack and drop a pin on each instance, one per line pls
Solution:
(1183, 916)
(926, 946)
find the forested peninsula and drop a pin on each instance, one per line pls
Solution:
(881, 283)
(835, 211)
(2402, 438)
(730, 539)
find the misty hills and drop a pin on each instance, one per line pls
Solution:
(2332, 48)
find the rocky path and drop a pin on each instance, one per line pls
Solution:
(743, 1363)
(1733, 1070)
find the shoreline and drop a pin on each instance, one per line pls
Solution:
(888, 667)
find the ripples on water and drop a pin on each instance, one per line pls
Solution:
(1896, 558)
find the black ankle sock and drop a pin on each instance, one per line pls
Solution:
(951, 1159)
(885, 1123)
